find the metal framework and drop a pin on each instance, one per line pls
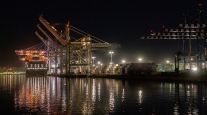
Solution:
(186, 33)
(69, 49)
(194, 31)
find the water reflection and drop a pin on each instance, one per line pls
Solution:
(140, 99)
(54, 95)
(9, 82)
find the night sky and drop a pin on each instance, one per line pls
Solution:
(119, 21)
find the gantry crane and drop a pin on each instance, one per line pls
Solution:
(66, 53)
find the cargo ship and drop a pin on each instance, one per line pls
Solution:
(35, 61)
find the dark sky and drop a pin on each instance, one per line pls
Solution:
(120, 21)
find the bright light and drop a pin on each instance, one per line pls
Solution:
(140, 59)
(167, 61)
(53, 65)
(111, 52)
(123, 61)
(194, 68)
(93, 59)
(191, 59)
(98, 62)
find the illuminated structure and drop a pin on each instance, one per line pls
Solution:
(111, 54)
(195, 31)
(68, 49)
(35, 60)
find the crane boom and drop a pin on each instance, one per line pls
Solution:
(41, 38)
(48, 37)
(53, 31)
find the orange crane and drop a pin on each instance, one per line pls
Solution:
(64, 53)
(32, 55)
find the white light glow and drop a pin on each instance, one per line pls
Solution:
(111, 52)
(99, 63)
(194, 69)
(140, 59)
(167, 61)
(123, 61)
(53, 65)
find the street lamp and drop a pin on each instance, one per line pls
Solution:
(98, 62)
(123, 61)
(93, 59)
(195, 69)
(99, 66)
(167, 61)
(111, 53)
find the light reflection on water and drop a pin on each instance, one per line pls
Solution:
(56, 95)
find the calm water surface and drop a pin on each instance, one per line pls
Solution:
(54, 95)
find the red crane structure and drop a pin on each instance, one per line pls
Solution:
(68, 49)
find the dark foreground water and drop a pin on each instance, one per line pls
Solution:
(54, 95)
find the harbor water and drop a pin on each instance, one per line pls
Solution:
(66, 96)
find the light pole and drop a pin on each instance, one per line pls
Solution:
(111, 53)
(93, 59)
(100, 64)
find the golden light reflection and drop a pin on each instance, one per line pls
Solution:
(111, 100)
(94, 91)
(54, 95)
(10, 82)
(37, 92)
(99, 91)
